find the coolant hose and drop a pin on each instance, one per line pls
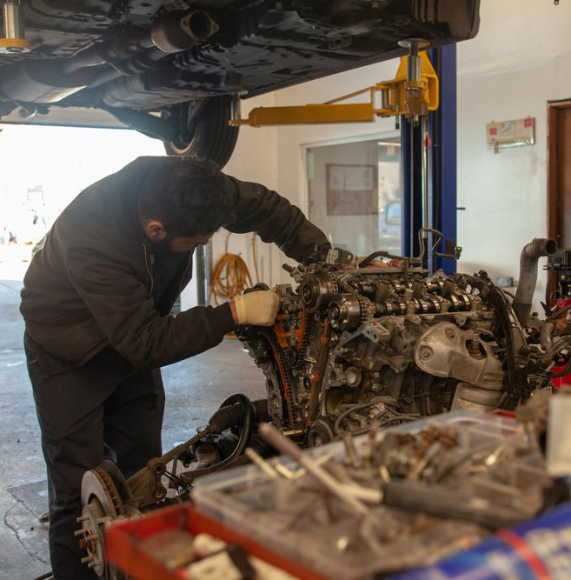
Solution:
(537, 248)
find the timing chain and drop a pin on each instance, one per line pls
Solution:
(282, 368)
(366, 308)
(304, 341)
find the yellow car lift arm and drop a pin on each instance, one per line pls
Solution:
(412, 93)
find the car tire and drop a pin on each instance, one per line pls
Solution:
(210, 135)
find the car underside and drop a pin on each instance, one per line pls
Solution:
(174, 69)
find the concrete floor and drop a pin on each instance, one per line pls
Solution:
(195, 388)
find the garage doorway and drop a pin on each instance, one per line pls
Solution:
(43, 169)
(559, 179)
(355, 193)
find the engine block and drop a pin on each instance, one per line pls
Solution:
(355, 347)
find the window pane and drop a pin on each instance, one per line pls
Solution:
(355, 194)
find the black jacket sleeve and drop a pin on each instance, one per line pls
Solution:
(273, 218)
(123, 308)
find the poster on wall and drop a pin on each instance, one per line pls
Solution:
(352, 190)
(514, 133)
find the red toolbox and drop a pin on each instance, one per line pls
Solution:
(127, 544)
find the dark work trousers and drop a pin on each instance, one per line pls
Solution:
(106, 404)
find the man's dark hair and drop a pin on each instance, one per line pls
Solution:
(186, 194)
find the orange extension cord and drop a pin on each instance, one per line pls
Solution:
(229, 278)
(231, 275)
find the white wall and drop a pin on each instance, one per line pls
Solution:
(255, 159)
(519, 61)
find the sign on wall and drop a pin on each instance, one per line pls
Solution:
(352, 189)
(514, 133)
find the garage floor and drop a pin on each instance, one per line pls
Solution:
(194, 389)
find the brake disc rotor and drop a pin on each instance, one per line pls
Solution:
(103, 492)
(118, 479)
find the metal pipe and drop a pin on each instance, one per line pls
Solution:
(284, 445)
(13, 19)
(135, 51)
(425, 186)
(413, 63)
(539, 247)
(412, 191)
(426, 190)
(170, 34)
(200, 276)
(546, 340)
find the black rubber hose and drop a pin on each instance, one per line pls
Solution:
(243, 441)
(246, 429)
(231, 415)
(226, 417)
(261, 411)
(371, 257)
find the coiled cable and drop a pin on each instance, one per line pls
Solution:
(230, 278)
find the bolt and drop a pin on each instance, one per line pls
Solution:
(475, 346)
(80, 532)
(450, 333)
(87, 558)
(82, 519)
(426, 353)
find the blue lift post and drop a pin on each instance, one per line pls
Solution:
(442, 129)
(444, 153)
(411, 152)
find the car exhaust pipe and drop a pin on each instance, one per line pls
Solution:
(538, 248)
(177, 31)
(134, 52)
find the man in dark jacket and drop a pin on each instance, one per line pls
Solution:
(97, 299)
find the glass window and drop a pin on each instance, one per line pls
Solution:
(355, 194)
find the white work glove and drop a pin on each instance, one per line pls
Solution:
(258, 308)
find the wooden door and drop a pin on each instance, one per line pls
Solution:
(559, 179)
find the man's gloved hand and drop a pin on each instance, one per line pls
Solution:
(258, 308)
